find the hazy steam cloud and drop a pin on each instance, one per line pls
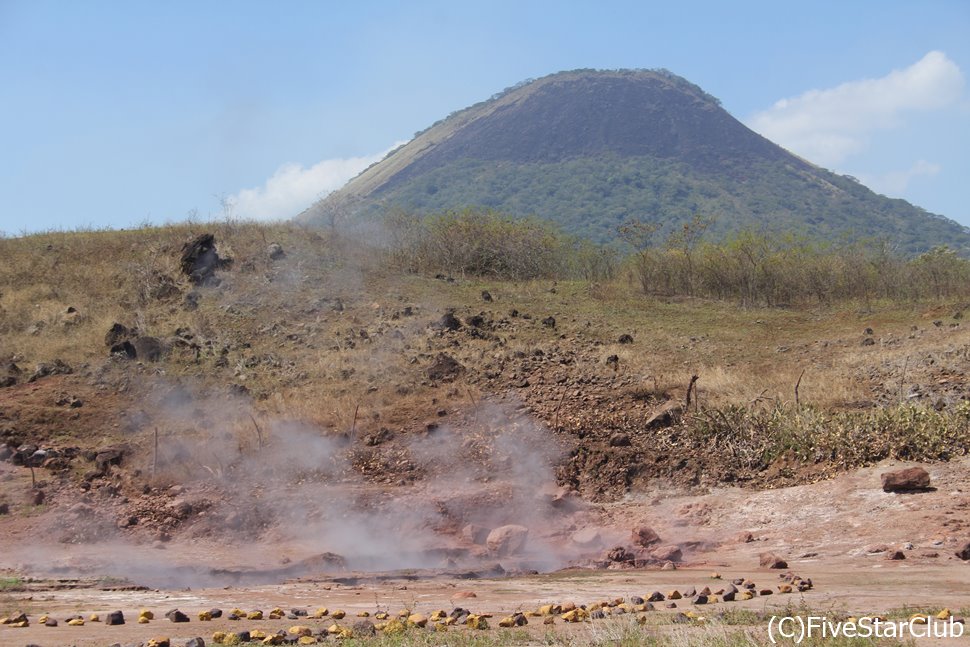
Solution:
(827, 126)
(293, 188)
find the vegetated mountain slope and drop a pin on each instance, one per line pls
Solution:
(593, 149)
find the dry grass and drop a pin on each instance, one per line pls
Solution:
(284, 337)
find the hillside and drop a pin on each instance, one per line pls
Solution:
(281, 418)
(594, 149)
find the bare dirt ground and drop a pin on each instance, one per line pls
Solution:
(837, 532)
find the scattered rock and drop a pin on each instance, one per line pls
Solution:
(625, 339)
(9, 373)
(912, 479)
(195, 642)
(619, 554)
(176, 616)
(549, 322)
(507, 540)
(895, 555)
(771, 560)
(364, 629)
(116, 334)
(114, 618)
(275, 251)
(486, 296)
(445, 368)
(448, 321)
(619, 440)
(148, 349)
(645, 536)
(46, 369)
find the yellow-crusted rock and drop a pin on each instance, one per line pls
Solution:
(274, 639)
(438, 615)
(394, 627)
(674, 595)
(254, 615)
(218, 637)
(338, 614)
(26, 623)
(142, 620)
(159, 642)
(334, 629)
(919, 618)
(745, 595)
(307, 640)
(507, 621)
(322, 612)
(546, 609)
(41, 619)
(278, 611)
(301, 630)
(784, 588)
(94, 618)
(449, 621)
(532, 614)
(381, 615)
(205, 616)
(363, 614)
(418, 620)
(238, 612)
(942, 615)
(232, 639)
(76, 622)
(575, 615)
(146, 613)
(476, 622)
(275, 616)
(257, 634)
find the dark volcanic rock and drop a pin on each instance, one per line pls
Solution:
(176, 616)
(200, 260)
(445, 368)
(115, 618)
(57, 367)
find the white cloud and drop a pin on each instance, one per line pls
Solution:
(895, 183)
(827, 126)
(293, 188)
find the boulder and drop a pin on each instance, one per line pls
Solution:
(445, 368)
(116, 334)
(645, 536)
(114, 618)
(507, 540)
(199, 260)
(964, 552)
(911, 479)
(771, 560)
(148, 349)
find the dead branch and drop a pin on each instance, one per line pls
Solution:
(797, 384)
(259, 433)
(690, 390)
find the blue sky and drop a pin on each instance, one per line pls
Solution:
(118, 113)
